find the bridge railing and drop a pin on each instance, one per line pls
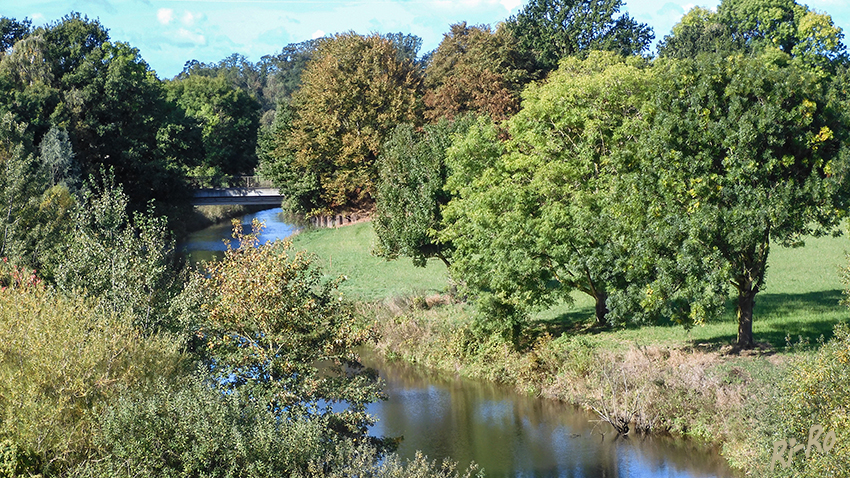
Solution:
(207, 182)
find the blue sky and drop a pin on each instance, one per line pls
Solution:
(170, 32)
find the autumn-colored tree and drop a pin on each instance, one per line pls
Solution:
(270, 328)
(353, 93)
(475, 69)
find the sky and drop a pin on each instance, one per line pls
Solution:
(168, 33)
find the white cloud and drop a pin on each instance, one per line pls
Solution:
(191, 37)
(165, 15)
(510, 4)
(189, 18)
(317, 34)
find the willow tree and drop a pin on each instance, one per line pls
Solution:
(353, 93)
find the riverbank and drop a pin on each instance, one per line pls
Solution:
(657, 379)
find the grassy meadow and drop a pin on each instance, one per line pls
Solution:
(801, 300)
(346, 251)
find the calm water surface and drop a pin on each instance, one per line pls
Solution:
(505, 433)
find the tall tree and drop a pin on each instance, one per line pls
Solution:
(555, 29)
(699, 31)
(756, 26)
(742, 152)
(11, 31)
(70, 76)
(354, 92)
(475, 69)
(229, 120)
(539, 221)
(411, 190)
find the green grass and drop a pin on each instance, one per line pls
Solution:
(347, 250)
(801, 300)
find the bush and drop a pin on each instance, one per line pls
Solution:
(61, 360)
(815, 394)
(193, 429)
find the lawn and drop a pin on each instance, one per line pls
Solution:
(801, 300)
(346, 251)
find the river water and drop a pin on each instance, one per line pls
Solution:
(506, 434)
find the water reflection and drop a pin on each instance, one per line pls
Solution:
(505, 433)
(209, 244)
(514, 435)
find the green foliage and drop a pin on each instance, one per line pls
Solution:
(555, 29)
(411, 191)
(228, 118)
(278, 163)
(61, 360)
(19, 186)
(542, 219)
(700, 31)
(57, 159)
(757, 26)
(740, 151)
(69, 76)
(814, 393)
(193, 429)
(11, 31)
(271, 329)
(355, 91)
(126, 264)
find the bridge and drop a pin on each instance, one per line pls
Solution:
(241, 190)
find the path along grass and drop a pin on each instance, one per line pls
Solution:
(660, 378)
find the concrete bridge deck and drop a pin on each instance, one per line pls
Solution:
(241, 196)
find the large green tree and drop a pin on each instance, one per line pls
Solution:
(229, 119)
(353, 93)
(411, 190)
(554, 29)
(69, 75)
(534, 217)
(755, 26)
(742, 152)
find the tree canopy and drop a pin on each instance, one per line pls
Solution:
(69, 75)
(742, 151)
(475, 69)
(229, 120)
(755, 26)
(555, 29)
(353, 93)
(533, 219)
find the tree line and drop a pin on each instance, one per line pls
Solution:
(543, 156)
(548, 155)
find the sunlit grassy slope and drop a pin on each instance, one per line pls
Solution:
(347, 251)
(801, 299)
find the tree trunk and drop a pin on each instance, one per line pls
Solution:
(601, 308)
(746, 303)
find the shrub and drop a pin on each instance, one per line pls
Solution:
(61, 360)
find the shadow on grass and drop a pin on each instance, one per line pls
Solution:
(803, 318)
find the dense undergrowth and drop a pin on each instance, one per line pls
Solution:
(743, 402)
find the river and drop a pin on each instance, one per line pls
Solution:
(505, 433)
